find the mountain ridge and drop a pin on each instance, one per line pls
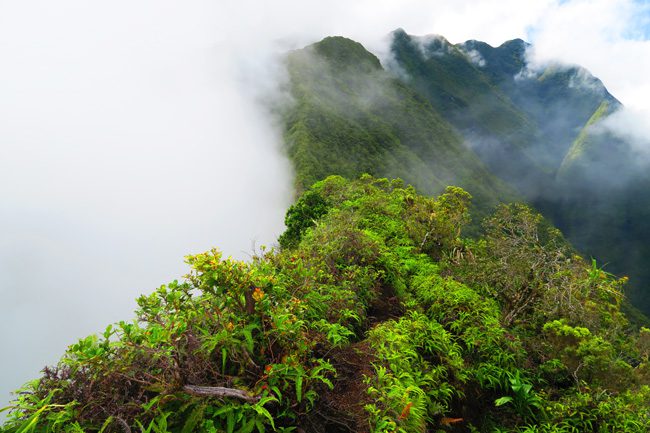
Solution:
(374, 315)
(348, 121)
(526, 127)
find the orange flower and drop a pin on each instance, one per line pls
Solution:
(258, 294)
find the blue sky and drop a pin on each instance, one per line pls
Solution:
(640, 26)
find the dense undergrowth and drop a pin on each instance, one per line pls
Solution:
(374, 315)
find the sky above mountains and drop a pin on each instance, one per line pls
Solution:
(131, 133)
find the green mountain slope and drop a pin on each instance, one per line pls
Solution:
(580, 151)
(457, 88)
(605, 203)
(520, 122)
(477, 116)
(558, 99)
(599, 197)
(351, 117)
(379, 318)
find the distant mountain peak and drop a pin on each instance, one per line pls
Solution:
(516, 43)
(428, 45)
(342, 52)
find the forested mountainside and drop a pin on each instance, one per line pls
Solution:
(351, 117)
(476, 116)
(374, 315)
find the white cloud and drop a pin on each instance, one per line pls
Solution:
(602, 36)
(129, 138)
(476, 58)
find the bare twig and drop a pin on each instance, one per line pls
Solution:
(424, 241)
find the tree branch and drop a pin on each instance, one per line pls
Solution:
(218, 391)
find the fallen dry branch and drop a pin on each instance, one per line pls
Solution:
(218, 391)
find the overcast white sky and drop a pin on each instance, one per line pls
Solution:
(130, 134)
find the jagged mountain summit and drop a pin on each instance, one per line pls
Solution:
(436, 113)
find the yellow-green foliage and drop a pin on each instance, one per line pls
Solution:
(579, 145)
(375, 315)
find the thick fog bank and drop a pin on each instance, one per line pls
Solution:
(130, 137)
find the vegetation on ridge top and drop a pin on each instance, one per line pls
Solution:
(509, 332)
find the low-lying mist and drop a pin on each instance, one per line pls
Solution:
(126, 145)
(631, 124)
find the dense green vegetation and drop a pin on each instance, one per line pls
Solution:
(473, 115)
(375, 315)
